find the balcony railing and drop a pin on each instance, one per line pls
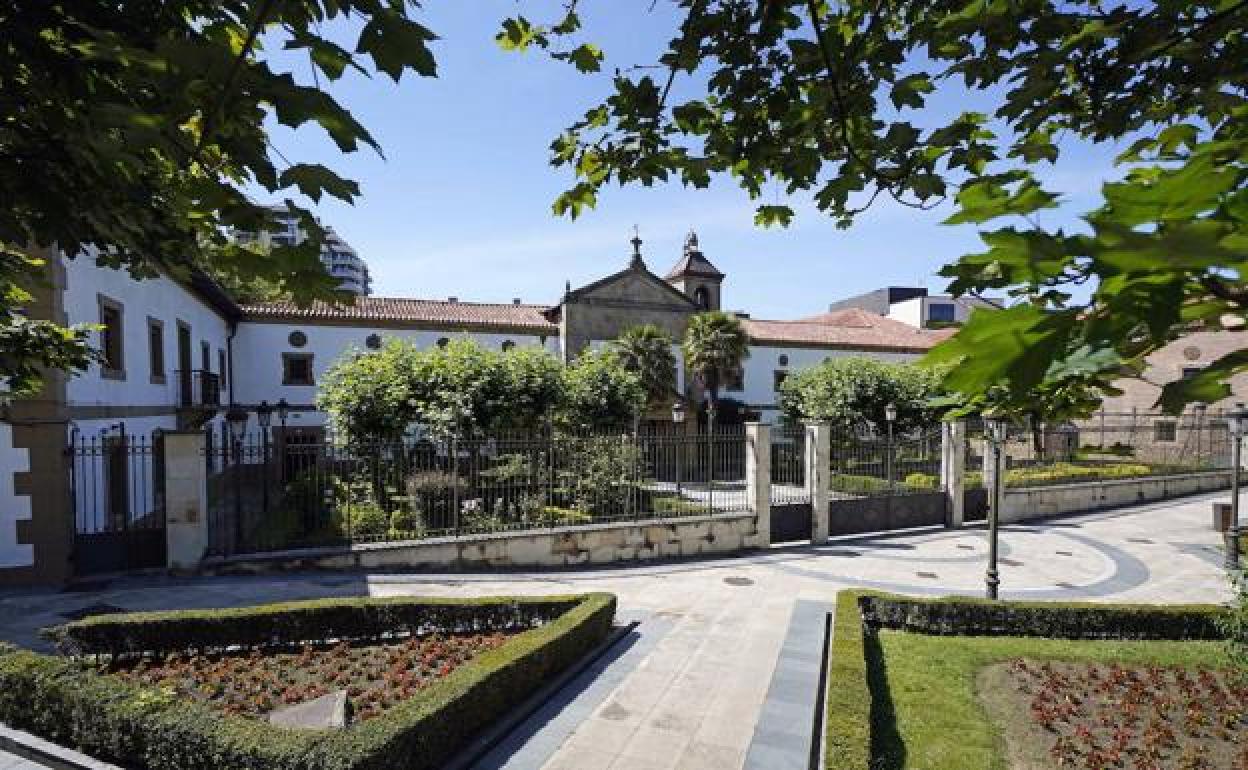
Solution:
(198, 389)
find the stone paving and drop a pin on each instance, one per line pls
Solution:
(694, 699)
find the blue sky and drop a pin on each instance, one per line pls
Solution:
(460, 205)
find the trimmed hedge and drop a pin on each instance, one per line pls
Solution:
(860, 614)
(294, 623)
(66, 701)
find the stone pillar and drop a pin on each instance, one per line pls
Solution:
(953, 470)
(818, 478)
(186, 499)
(758, 479)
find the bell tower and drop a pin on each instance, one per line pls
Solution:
(695, 277)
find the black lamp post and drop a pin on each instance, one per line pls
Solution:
(1237, 421)
(1198, 411)
(283, 411)
(236, 419)
(890, 417)
(997, 426)
(678, 419)
(264, 416)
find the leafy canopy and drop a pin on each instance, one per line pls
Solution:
(838, 103)
(599, 392)
(852, 393)
(137, 128)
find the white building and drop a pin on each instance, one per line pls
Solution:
(177, 352)
(340, 259)
(915, 307)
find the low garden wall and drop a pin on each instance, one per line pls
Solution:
(1041, 502)
(718, 534)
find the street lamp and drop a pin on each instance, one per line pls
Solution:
(998, 426)
(283, 411)
(1237, 421)
(890, 416)
(264, 416)
(236, 419)
(678, 419)
(1198, 411)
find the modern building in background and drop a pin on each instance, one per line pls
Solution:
(340, 259)
(915, 307)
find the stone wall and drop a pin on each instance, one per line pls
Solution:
(561, 547)
(1042, 502)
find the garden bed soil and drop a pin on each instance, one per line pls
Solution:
(1086, 715)
(375, 676)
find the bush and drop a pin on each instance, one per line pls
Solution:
(65, 701)
(860, 614)
(852, 392)
(368, 520)
(1048, 475)
(1234, 624)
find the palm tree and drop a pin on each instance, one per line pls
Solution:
(647, 352)
(715, 345)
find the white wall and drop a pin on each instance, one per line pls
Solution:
(13, 508)
(916, 311)
(258, 350)
(159, 298)
(764, 360)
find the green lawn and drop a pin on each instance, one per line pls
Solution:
(925, 713)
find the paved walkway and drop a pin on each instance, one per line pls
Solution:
(693, 699)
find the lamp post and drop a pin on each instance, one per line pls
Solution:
(997, 426)
(236, 419)
(710, 455)
(1237, 421)
(678, 419)
(283, 411)
(264, 416)
(1198, 411)
(890, 416)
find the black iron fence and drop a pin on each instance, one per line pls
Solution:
(1106, 446)
(871, 464)
(117, 494)
(266, 495)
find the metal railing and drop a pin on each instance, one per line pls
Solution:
(1106, 446)
(198, 388)
(867, 464)
(282, 495)
(788, 465)
(116, 483)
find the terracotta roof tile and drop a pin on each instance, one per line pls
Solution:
(851, 328)
(393, 310)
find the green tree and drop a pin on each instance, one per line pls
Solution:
(137, 128)
(460, 387)
(715, 345)
(598, 392)
(646, 351)
(838, 103)
(853, 392)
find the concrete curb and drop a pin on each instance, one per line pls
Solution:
(46, 753)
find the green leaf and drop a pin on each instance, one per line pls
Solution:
(313, 179)
(909, 91)
(586, 57)
(770, 216)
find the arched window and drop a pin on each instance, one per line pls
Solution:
(443, 342)
(702, 298)
(297, 339)
(784, 359)
(373, 342)
(508, 345)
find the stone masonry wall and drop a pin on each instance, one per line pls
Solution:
(1042, 502)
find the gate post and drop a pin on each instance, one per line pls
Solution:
(818, 478)
(758, 479)
(186, 499)
(953, 470)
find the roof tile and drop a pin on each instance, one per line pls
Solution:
(411, 311)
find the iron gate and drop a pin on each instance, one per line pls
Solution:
(791, 514)
(117, 492)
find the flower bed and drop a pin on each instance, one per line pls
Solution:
(1092, 716)
(375, 677)
(463, 687)
(902, 672)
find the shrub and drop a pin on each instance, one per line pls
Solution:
(1234, 624)
(600, 475)
(368, 520)
(67, 702)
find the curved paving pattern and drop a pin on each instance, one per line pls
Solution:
(718, 626)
